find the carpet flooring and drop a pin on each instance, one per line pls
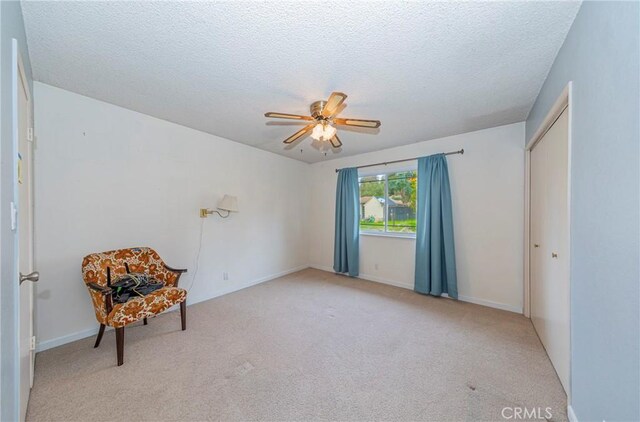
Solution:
(308, 346)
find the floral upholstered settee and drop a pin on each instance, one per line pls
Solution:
(99, 270)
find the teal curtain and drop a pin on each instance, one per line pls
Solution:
(435, 253)
(346, 251)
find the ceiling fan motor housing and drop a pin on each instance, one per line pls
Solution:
(316, 109)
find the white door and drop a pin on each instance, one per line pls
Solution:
(549, 234)
(25, 238)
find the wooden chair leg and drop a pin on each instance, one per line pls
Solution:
(120, 345)
(144, 321)
(183, 314)
(100, 333)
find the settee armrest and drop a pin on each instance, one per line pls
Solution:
(175, 270)
(178, 271)
(107, 292)
(98, 288)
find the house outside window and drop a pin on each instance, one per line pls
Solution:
(388, 203)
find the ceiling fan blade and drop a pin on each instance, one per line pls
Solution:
(358, 122)
(335, 141)
(299, 134)
(287, 116)
(333, 103)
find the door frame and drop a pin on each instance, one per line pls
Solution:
(10, 400)
(22, 79)
(562, 103)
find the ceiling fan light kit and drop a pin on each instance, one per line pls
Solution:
(323, 131)
(323, 120)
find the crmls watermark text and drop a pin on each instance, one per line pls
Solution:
(521, 413)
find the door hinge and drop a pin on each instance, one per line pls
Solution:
(30, 134)
(33, 343)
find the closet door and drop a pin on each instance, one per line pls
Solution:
(549, 234)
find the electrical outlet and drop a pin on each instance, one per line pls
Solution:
(225, 275)
(376, 267)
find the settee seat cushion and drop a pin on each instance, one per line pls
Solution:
(146, 306)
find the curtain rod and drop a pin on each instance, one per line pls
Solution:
(400, 161)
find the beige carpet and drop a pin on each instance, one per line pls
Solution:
(311, 345)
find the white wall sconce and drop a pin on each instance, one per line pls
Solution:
(228, 205)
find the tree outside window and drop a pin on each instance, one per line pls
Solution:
(388, 203)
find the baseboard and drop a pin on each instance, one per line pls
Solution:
(322, 268)
(79, 335)
(235, 288)
(59, 341)
(571, 414)
(385, 281)
(462, 298)
(490, 304)
(366, 277)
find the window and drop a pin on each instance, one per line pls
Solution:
(388, 203)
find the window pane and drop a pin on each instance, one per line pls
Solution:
(372, 203)
(401, 209)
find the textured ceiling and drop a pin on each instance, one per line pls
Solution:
(426, 70)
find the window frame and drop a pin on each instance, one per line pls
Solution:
(386, 232)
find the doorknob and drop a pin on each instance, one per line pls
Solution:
(554, 255)
(536, 245)
(34, 276)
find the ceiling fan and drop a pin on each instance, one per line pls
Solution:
(323, 120)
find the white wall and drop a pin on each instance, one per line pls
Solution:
(108, 177)
(487, 187)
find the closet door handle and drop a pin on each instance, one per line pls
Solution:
(535, 245)
(554, 255)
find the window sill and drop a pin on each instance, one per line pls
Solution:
(394, 235)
